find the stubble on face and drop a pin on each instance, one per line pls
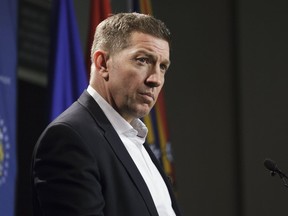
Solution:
(130, 95)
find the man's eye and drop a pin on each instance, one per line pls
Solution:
(163, 67)
(143, 60)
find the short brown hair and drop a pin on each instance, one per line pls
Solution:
(113, 33)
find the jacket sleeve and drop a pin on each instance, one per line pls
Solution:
(65, 174)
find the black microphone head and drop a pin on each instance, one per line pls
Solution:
(270, 165)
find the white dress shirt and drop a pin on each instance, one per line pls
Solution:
(133, 137)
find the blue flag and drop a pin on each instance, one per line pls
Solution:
(8, 65)
(68, 72)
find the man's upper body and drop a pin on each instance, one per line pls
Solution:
(82, 163)
(88, 171)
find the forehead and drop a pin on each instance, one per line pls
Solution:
(149, 42)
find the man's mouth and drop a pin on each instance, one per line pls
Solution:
(148, 96)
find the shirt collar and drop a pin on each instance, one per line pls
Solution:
(136, 128)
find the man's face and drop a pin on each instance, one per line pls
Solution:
(136, 75)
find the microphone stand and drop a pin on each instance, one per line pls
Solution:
(283, 177)
(271, 165)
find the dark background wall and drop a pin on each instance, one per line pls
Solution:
(226, 97)
(202, 92)
(227, 104)
(263, 65)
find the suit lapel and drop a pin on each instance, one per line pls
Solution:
(165, 178)
(119, 149)
(131, 168)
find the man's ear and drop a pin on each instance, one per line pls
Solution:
(100, 60)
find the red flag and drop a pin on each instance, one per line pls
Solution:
(99, 10)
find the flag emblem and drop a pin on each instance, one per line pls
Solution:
(4, 152)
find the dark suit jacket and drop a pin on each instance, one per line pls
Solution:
(81, 167)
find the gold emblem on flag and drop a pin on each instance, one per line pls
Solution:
(4, 153)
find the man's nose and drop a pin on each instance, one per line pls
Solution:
(155, 78)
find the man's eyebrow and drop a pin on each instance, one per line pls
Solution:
(152, 56)
(167, 63)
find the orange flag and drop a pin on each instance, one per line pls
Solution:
(156, 121)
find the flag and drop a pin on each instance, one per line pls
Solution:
(68, 73)
(99, 10)
(156, 121)
(8, 68)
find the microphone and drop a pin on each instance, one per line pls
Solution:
(271, 165)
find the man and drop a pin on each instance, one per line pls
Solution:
(92, 159)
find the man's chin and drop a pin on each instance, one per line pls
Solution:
(143, 112)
